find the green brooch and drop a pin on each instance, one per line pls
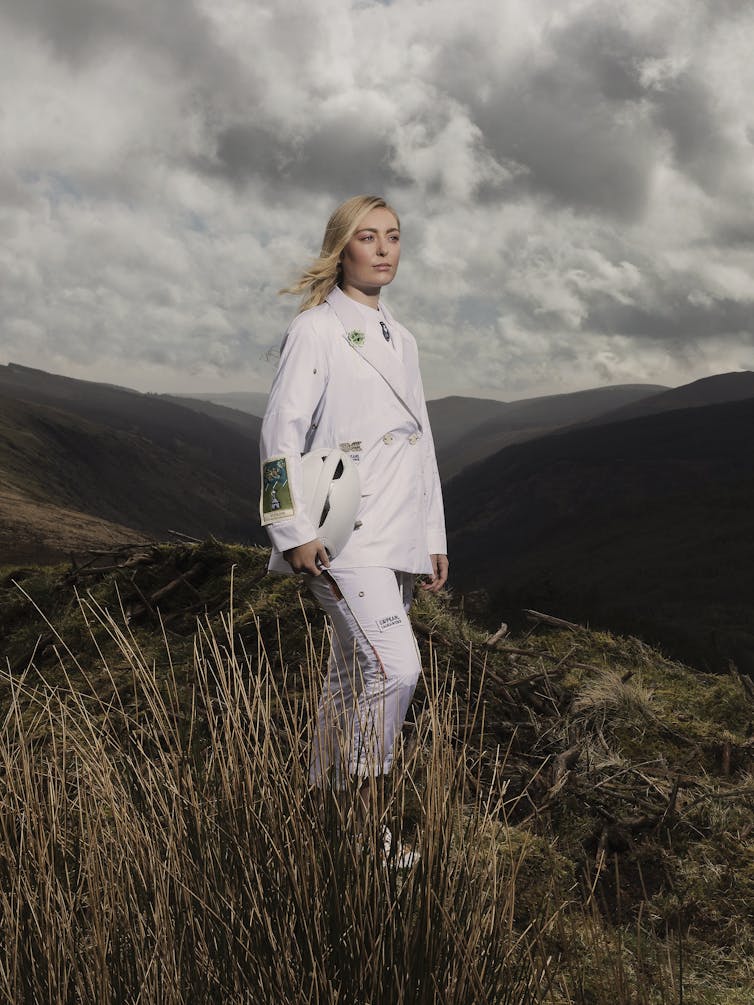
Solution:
(357, 339)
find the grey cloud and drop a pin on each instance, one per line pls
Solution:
(13, 192)
(675, 318)
(596, 57)
(84, 31)
(75, 29)
(342, 155)
(575, 121)
(686, 110)
(735, 233)
(347, 155)
(244, 151)
(583, 124)
(614, 66)
(586, 162)
(78, 29)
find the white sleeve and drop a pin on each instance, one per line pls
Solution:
(296, 392)
(436, 538)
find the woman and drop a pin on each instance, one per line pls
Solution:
(348, 377)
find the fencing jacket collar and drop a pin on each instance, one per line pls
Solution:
(388, 365)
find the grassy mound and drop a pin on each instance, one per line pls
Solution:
(583, 806)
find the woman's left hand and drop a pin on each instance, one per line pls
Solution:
(440, 574)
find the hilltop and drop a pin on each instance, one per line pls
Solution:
(626, 772)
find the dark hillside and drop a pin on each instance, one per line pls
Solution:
(236, 418)
(518, 421)
(454, 416)
(645, 526)
(129, 459)
(251, 402)
(166, 423)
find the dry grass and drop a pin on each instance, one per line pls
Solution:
(165, 850)
(610, 692)
(159, 841)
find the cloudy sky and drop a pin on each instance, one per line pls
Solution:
(575, 182)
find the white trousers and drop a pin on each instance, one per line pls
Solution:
(372, 670)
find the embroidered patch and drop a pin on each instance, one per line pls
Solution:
(354, 446)
(357, 339)
(276, 502)
(389, 622)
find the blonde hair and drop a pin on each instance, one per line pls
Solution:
(325, 272)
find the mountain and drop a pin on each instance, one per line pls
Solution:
(645, 525)
(471, 429)
(253, 402)
(452, 417)
(713, 390)
(246, 422)
(140, 464)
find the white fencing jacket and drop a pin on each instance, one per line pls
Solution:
(340, 384)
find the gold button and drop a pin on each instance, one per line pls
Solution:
(388, 438)
(413, 438)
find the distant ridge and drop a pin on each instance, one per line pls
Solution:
(253, 402)
(139, 464)
(715, 390)
(471, 429)
(644, 525)
(17, 375)
(452, 417)
(247, 422)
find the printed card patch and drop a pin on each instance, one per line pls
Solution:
(389, 622)
(277, 503)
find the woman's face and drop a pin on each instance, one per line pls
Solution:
(370, 259)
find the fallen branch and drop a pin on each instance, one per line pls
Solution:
(731, 794)
(670, 809)
(185, 537)
(538, 654)
(122, 557)
(567, 760)
(492, 641)
(562, 772)
(96, 570)
(145, 602)
(428, 633)
(550, 620)
(182, 578)
(743, 679)
(523, 681)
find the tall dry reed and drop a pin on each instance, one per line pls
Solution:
(160, 848)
